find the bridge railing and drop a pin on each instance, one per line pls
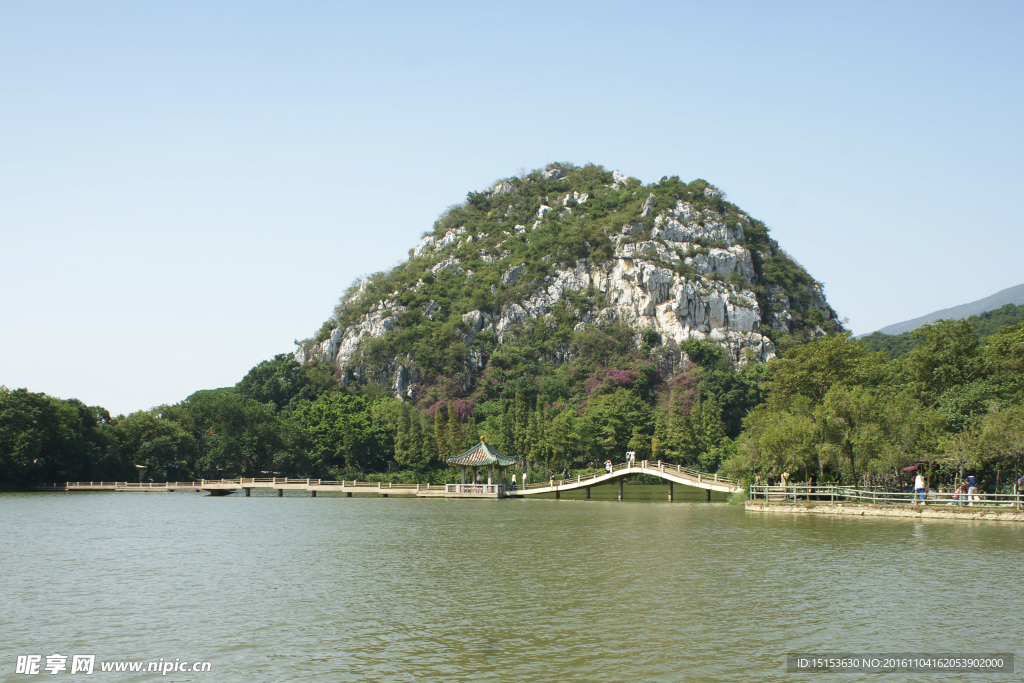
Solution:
(490, 489)
(841, 494)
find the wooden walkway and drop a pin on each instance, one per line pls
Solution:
(673, 474)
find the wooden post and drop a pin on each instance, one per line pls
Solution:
(348, 494)
(708, 496)
(248, 492)
(620, 489)
(670, 491)
(588, 493)
(314, 493)
(280, 493)
(558, 494)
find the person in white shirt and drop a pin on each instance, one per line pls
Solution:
(919, 488)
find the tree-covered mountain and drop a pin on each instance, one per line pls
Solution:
(555, 266)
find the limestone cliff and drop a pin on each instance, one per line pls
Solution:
(566, 249)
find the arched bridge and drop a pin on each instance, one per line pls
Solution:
(673, 474)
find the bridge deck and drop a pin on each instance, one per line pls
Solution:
(674, 474)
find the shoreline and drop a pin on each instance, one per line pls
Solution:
(902, 511)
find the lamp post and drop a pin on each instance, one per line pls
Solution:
(141, 469)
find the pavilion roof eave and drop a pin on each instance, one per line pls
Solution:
(481, 455)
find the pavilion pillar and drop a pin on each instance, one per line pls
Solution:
(490, 474)
(620, 489)
(463, 474)
(670, 491)
(474, 476)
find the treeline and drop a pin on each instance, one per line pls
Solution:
(954, 403)
(288, 419)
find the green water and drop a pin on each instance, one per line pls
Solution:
(373, 589)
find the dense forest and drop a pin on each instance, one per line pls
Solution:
(570, 387)
(954, 403)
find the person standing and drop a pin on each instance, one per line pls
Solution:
(513, 481)
(972, 490)
(919, 488)
(524, 480)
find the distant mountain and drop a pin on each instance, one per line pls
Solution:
(985, 324)
(1011, 295)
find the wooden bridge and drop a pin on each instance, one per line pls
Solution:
(673, 474)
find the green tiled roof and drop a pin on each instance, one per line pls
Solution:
(481, 455)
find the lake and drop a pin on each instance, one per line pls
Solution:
(374, 589)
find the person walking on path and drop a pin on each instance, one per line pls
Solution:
(919, 488)
(608, 467)
(513, 481)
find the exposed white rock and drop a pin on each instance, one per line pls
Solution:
(476, 322)
(449, 238)
(501, 188)
(686, 224)
(619, 178)
(648, 206)
(724, 261)
(424, 244)
(512, 274)
(449, 262)
(544, 208)
(554, 174)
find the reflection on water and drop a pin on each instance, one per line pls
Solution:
(373, 589)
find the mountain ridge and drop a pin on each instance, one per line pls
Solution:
(1010, 295)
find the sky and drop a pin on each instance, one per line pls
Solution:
(187, 188)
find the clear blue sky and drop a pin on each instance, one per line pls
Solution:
(186, 188)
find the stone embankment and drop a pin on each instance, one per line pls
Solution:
(906, 511)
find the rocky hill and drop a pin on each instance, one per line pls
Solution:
(559, 264)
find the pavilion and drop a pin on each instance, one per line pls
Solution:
(482, 455)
